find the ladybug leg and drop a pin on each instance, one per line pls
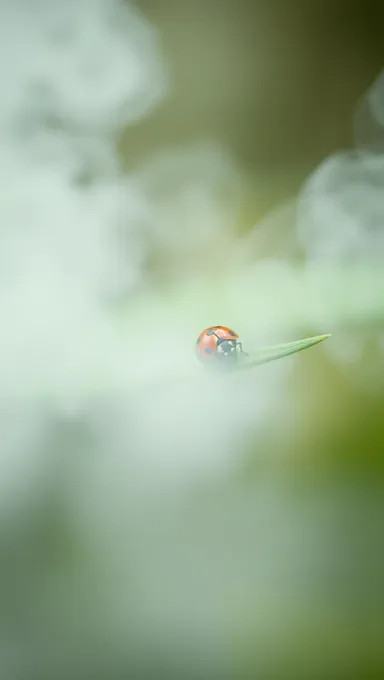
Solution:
(240, 344)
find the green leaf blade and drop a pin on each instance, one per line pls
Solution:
(263, 355)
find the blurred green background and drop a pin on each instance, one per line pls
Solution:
(277, 84)
(286, 554)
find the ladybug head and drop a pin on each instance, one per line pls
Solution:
(226, 348)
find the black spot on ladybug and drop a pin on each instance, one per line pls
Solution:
(232, 333)
(211, 332)
(208, 350)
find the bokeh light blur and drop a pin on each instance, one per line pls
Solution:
(167, 166)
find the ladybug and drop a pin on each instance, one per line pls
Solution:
(218, 343)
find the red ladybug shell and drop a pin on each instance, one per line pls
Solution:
(210, 338)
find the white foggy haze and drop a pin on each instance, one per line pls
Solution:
(74, 74)
(341, 228)
(106, 280)
(71, 79)
(341, 207)
(106, 409)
